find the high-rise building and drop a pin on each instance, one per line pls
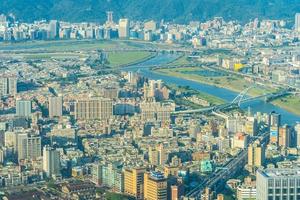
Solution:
(8, 85)
(124, 28)
(273, 184)
(55, 106)
(54, 29)
(133, 182)
(297, 22)
(150, 26)
(274, 124)
(28, 146)
(256, 155)
(51, 161)
(23, 108)
(284, 139)
(297, 131)
(155, 186)
(109, 17)
(93, 108)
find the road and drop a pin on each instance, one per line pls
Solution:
(226, 171)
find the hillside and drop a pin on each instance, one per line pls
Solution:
(169, 10)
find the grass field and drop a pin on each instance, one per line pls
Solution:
(289, 103)
(117, 59)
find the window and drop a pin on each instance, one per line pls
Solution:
(277, 191)
(270, 191)
(284, 191)
(292, 190)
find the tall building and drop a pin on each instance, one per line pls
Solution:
(55, 107)
(51, 161)
(155, 186)
(273, 184)
(54, 29)
(93, 108)
(150, 26)
(297, 22)
(274, 124)
(23, 108)
(284, 139)
(133, 182)
(124, 28)
(8, 85)
(158, 155)
(256, 155)
(297, 131)
(28, 146)
(109, 17)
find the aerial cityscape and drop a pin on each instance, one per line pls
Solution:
(133, 109)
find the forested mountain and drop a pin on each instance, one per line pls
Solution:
(169, 10)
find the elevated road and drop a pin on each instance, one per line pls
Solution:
(225, 172)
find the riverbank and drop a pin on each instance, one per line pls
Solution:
(214, 78)
(230, 82)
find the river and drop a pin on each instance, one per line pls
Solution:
(228, 95)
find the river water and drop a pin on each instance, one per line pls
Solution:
(228, 95)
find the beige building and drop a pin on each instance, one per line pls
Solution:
(155, 186)
(134, 182)
(124, 25)
(93, 108)
(256, 156)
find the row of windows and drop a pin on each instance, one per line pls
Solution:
(291, 197)
(284, 190)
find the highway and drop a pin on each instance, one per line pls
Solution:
(226, 172)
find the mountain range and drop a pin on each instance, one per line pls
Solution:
(169, 10)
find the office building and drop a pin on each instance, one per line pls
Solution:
(28, 146)
(274, 124)
(158, 155)
(256, 156)
(51, 161)
(284, 139)
(133, 182)
(55, 107)
(8, 85)
(273, 184)
(54, 29)
(297, 132)
(155, 186)
(150, 26)
(23, 108)
(124, 28)
(95, 108)
(297, 22)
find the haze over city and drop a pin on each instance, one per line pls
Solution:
(150, 100)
